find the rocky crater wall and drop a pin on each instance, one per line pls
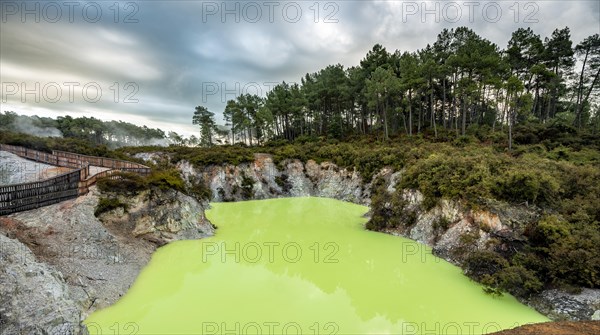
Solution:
(444, 228)
(60, 263)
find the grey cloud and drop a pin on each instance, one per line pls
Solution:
(172, 52)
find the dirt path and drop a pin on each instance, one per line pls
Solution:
(17, 170)
(556, 328)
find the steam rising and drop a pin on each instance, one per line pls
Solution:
(111, 133)
(26, 126)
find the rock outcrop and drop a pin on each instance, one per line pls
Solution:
(262, 179)
(560, 305)
(74, 263)
(555, 328)
(160, 217)
(34, 298)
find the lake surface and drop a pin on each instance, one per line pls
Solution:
(303, 265)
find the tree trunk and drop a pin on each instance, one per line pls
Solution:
(509, 127)
(587, 96)
(433, 114)
(444, 102)
(409, 112)
(464, 118)
(385, 121)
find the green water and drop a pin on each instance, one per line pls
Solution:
(303, 265)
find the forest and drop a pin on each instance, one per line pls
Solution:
(113, 134)
(460, 81)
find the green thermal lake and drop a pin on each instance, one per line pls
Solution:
(303, 265)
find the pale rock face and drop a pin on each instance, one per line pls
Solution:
(333, 182)
(162, 217)
(294, 179)
(394, 179)
(423, 230)
(414, 198)
(301, 186)
(487, 220)
(559, 305)
(186, 169)
(49, 307)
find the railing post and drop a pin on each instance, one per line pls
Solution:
(59, 188)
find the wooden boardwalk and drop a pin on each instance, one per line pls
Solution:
(86, 170)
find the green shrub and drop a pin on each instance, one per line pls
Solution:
(548, 231)
(569, 253)
(518, 281)
(247, 187)
(464, 140)
(389, 210)
(452, 177)
(166, 180)
(122, 183)
(109, 204)
(481, 263)
(526, 185)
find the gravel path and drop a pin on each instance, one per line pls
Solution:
(17, 170)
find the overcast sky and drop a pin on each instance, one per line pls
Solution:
(153, 61)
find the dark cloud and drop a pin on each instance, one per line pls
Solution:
(173, 51)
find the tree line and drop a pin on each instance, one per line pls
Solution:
(110, 133)
(462, 80)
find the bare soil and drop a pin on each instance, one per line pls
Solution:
(556, 328)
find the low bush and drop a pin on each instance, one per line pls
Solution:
(166, 180)
(526, 185)
(109, 204)
(480, 264)
(123, 183)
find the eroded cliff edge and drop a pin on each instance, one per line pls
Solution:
(60, 263)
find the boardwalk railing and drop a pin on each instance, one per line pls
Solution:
(25, 196)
